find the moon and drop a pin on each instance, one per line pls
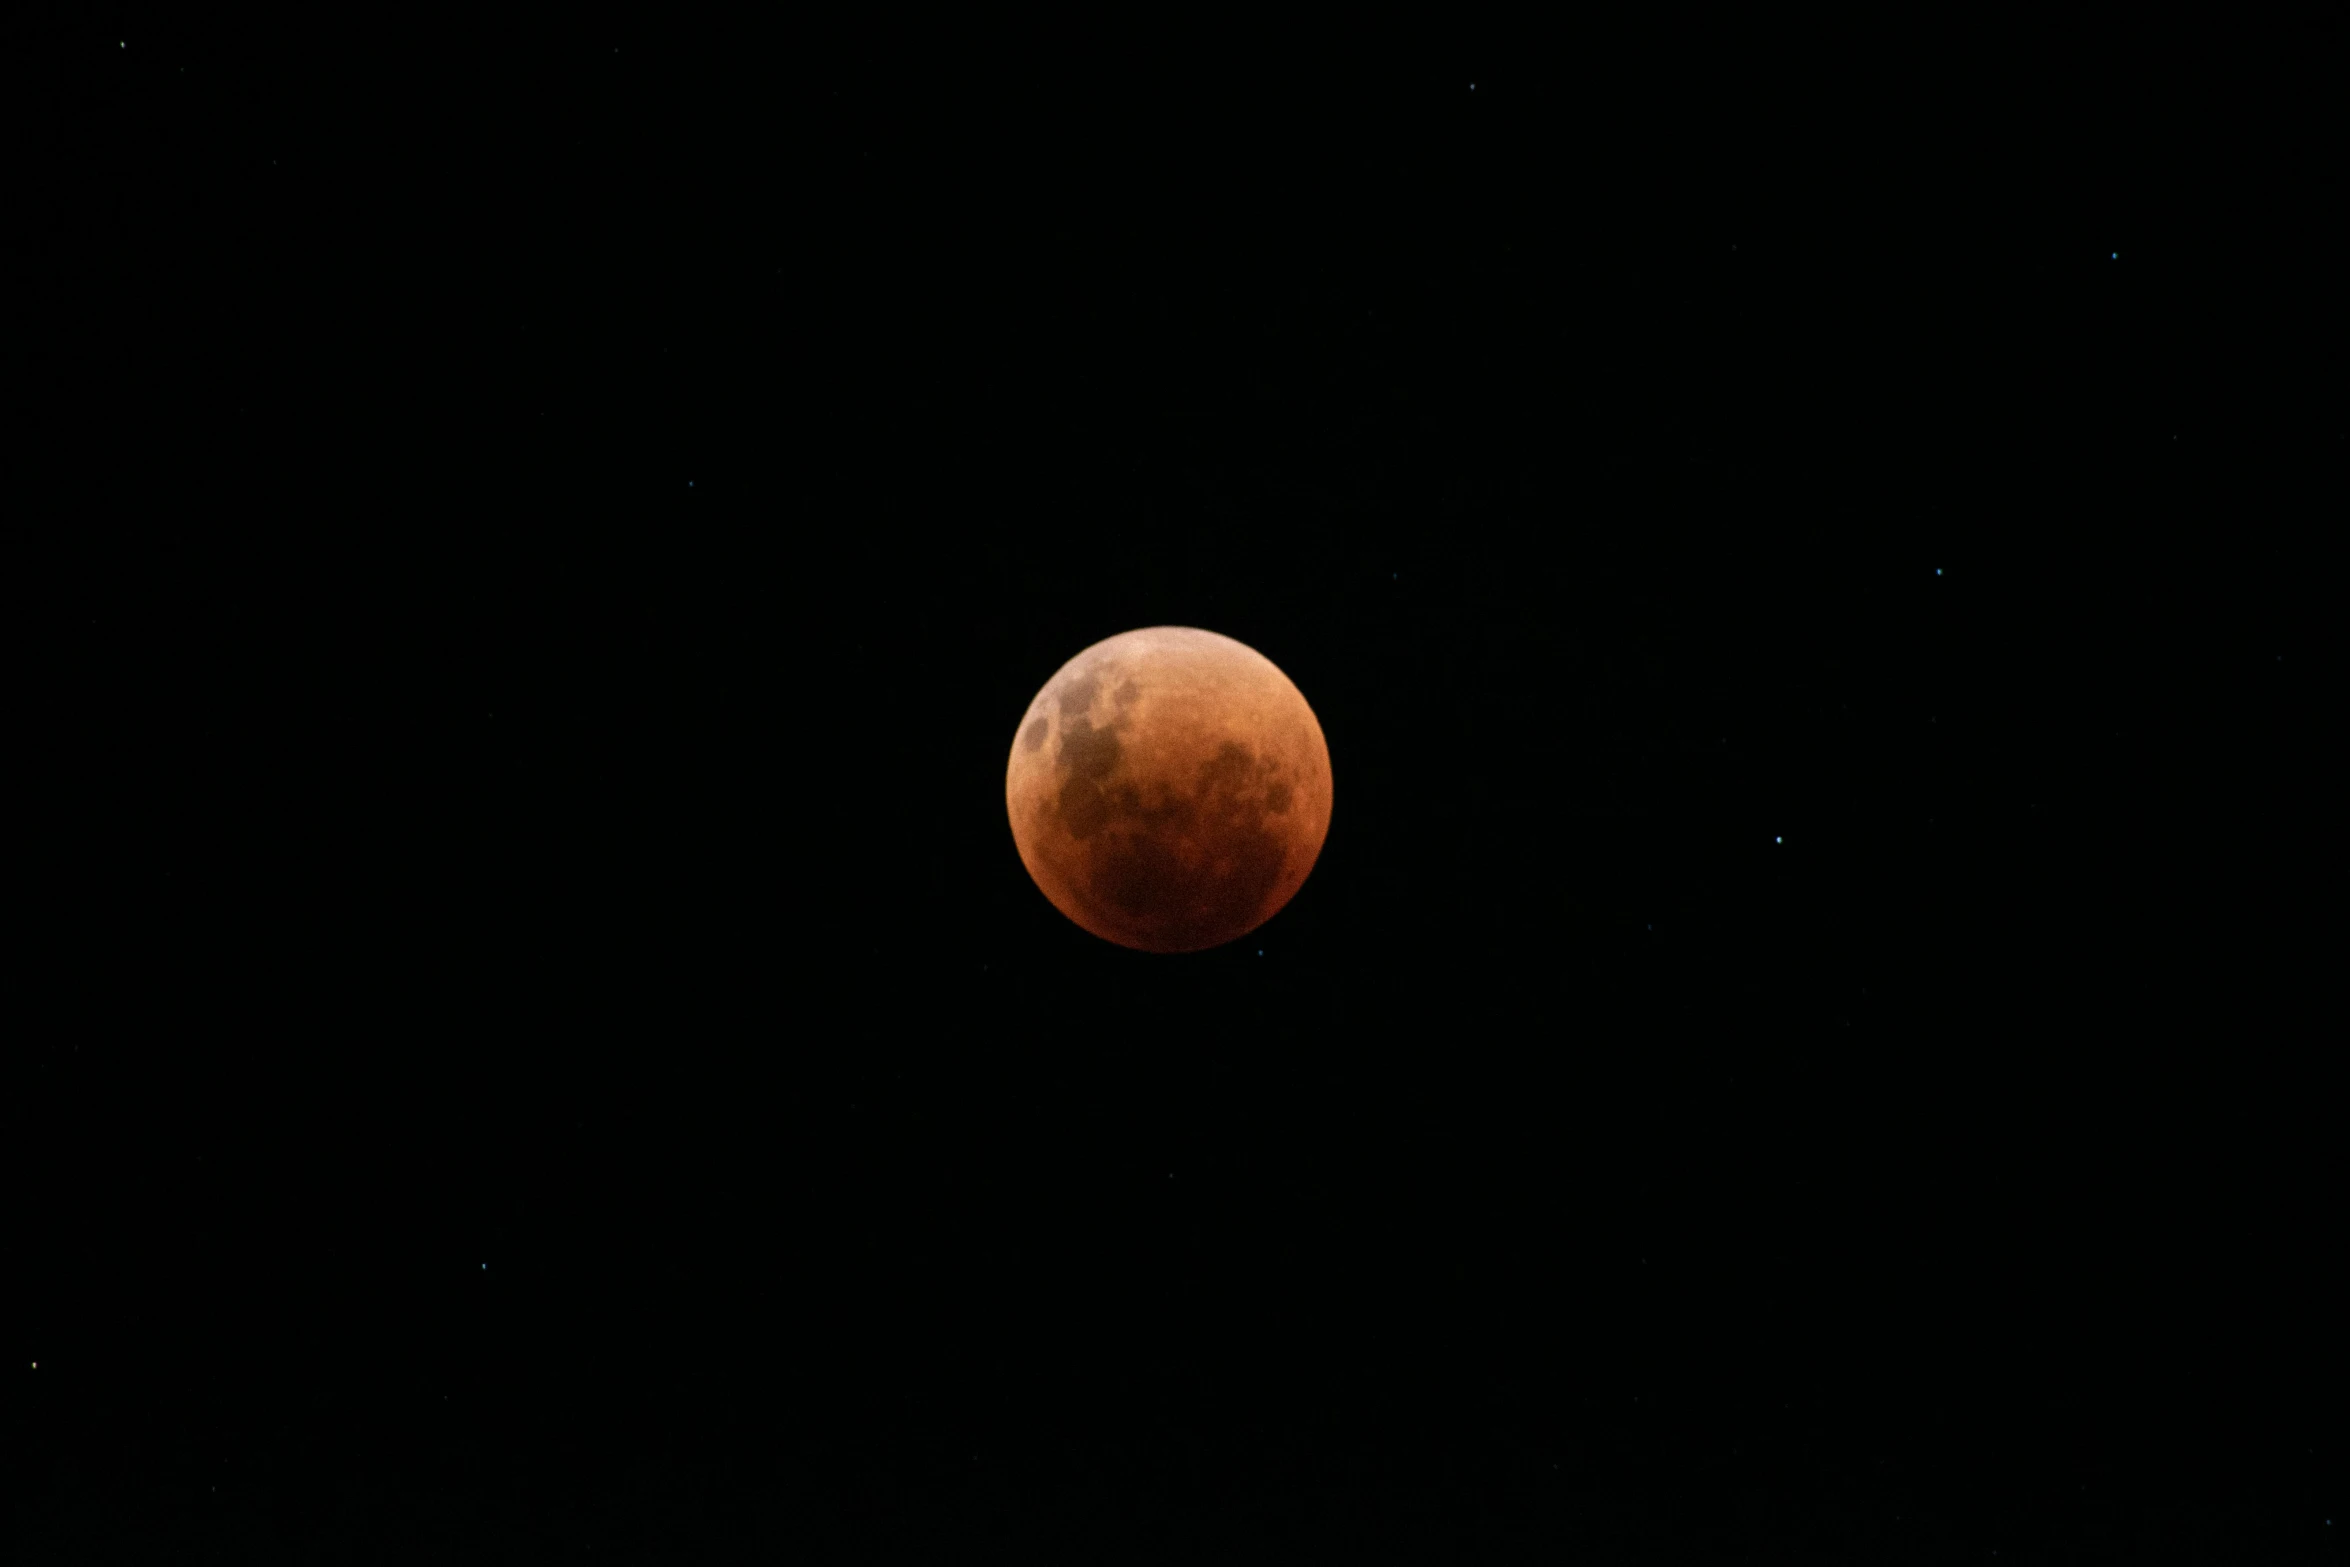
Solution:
(1169, 789)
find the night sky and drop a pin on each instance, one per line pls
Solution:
(530, 1040)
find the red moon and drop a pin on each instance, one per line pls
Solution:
(1169, 789)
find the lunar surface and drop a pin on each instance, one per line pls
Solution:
(1169, 789)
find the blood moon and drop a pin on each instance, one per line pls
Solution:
(1169, 789)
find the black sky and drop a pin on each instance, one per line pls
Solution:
(1801, 1042)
